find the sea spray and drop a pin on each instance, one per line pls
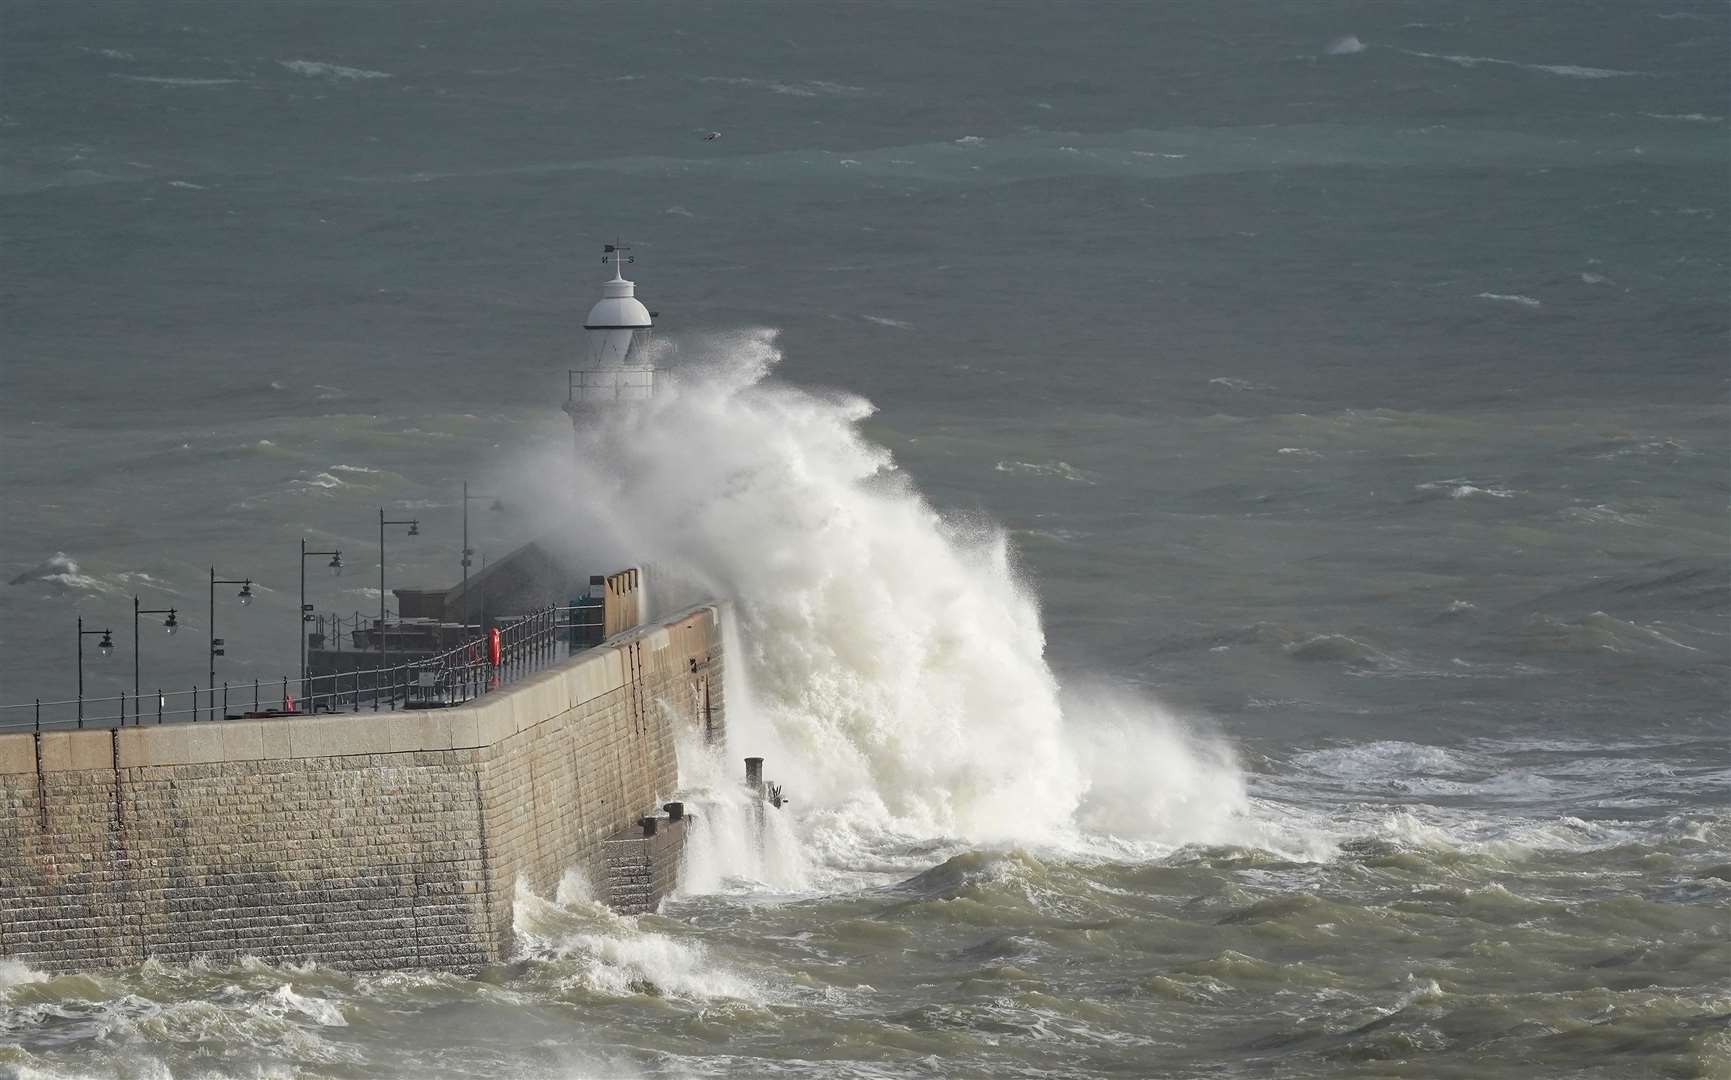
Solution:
(895, 659)
(735, 840)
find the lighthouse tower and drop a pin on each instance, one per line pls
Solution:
(618, 326)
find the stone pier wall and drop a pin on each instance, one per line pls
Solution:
(370, 840)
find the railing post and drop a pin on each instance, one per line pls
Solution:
(255, 694)
(159, 705)
(285, 689)
(38, 714)
(195, 702)
(225, 699)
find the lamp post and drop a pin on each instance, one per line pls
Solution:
(169, 626)
(103, 647)
(336, 565)
(216, 650)
(414, 530)
(469, 551)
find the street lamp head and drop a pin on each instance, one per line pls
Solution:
(245, 594)
(337, 564)
(106, 645)
(169, 625)
(414, 528)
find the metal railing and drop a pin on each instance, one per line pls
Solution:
(635, 382)
(527, 645)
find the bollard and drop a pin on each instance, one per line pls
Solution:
(754, 773)
(675, 811)
(649, 823)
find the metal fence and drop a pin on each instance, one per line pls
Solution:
(527, 645)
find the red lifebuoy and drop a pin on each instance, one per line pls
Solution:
(493, 646)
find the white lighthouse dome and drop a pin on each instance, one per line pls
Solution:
(618, 308)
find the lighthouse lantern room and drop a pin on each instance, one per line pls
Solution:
(619, 326)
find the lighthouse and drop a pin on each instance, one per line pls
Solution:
(618, 326)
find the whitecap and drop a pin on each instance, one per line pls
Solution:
(882, 320)
(613, 955)
(320, 1011)
(1510, 298)
(166, 80)
(64, 572)
(1063, 470)
(15, 973)
(1574, 71)
(969, 140)
(314, 69)
(1345, 46)
(1462, 488)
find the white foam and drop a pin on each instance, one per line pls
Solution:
(885, 321)
(1462, 488)
(314, 69)
(1511, 298)
(1573, 71)
(14, 973)
(1345, 46)
(613, 955)
(64, 572)
(320, 1011)
(1062, 470)
(736, 841)
(167, 80)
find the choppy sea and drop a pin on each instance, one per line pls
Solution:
(1223, 506)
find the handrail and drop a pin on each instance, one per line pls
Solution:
(527, 644)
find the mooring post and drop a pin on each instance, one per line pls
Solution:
(675, 811)
(649, 823)
(754, 773)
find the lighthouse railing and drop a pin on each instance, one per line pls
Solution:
(615, 383)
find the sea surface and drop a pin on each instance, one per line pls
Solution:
(1223, 505)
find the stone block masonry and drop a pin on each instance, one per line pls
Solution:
(363, 841)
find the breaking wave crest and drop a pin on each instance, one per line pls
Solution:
(890, 659)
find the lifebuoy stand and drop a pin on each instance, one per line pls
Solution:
(493, 646)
